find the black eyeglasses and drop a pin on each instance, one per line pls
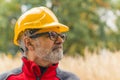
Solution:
(52, 35)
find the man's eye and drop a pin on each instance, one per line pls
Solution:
(63, 36)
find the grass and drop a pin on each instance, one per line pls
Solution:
(102, 66)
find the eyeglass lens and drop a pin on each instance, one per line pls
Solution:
(54, 36)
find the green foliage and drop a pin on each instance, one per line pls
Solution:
(86, 27)
(9, 12)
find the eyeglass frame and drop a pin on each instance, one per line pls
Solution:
(62, 35)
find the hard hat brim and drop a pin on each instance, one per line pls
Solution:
(57, 27)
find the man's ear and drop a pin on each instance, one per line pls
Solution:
(28, 43)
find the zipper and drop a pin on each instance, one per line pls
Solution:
(42, 74)
(37, 78)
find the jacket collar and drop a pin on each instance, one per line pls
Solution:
(31, 69)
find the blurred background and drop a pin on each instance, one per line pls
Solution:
(92, 47)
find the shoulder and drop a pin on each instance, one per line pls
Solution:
(5, 75)
(64, 75)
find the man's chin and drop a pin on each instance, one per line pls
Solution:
(55, 61)
(54, 56)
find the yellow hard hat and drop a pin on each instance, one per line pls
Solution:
(38, 17)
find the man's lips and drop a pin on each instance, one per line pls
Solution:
(57, 47)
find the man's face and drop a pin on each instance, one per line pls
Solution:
(47, 49)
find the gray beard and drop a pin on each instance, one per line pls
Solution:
(54, 56)
(50, 56)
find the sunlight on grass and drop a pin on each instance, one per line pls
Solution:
(102, 66)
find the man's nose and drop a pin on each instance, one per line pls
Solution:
(59, 40)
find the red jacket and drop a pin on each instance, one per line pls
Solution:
(31, 71)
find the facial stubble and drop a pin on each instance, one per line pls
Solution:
(53, 56)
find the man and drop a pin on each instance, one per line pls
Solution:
(40, 38)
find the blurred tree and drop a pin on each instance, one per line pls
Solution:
(9, 12)
(87, 29)
(86, 19)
